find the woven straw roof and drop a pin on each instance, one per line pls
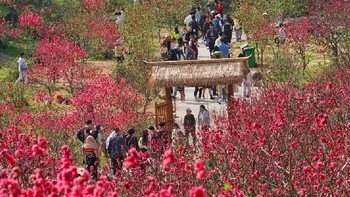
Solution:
(198, 72)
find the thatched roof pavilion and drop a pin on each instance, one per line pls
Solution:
(198, 72)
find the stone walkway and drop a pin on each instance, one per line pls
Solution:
(190, 101)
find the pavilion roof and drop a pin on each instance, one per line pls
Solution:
(198, 72)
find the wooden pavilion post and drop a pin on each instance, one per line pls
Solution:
(230, 94)
(169, 110)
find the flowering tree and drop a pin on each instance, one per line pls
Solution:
(299, 34)
(108, 102)
(59, 61)
(92, 29)
(331, 21)
(256, 26)
(32, 24)
(294, 144)
(3, 25)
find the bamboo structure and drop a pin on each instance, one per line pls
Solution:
(190, 73)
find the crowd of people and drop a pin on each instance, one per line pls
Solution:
(151, 143)
(211, 26)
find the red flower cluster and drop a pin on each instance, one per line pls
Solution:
(169, 158)
(133, 159)
(32, 20)
(199, 168)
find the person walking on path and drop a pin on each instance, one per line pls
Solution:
(116, 146)
(190, 53)
(167, 41)
(203, 118)
(238, 29)
(211, 36)
(161, 140)
(81, 133)
(190, 126)
(22, 68)
(193, 44)
(131, 140)
(91, 153)
(227, 29)
(144, 141)
(246, 85)
(220, 8)
(224, 48)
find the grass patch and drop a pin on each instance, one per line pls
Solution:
(8, 71)
(4, 10)
(16, 47)
(7, 75)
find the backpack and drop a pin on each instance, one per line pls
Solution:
(95, 134)
(131, 141)
(112, 147)
(80, 135)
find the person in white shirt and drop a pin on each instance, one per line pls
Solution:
(120, 16)
(22, 69)
(189, 19)
(247, 85)
(218, 40)
(238, 29)
(203, 118)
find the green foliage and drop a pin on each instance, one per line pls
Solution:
(16, 94)
(15, 47)
(4, 10)
(8, 71)
(61, 10)
(172, 13)
(344, 48)
(112, 5)
(139, 40)
(276, 9)
(284, 68)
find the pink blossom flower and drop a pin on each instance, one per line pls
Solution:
(197, 192)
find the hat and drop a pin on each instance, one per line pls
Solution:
(218, 15)
(264, 14)
(188, 109)
(212, 12)
(162, 124)
(167, 35)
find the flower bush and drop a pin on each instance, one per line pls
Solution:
(288, 141)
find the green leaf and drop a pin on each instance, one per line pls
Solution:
(227, 187)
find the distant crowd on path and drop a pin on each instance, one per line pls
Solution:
(150, 143)
(215, 29)
(211, 24)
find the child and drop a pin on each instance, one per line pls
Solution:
(190, 54)
(164, 51)
(246, 85)
(178, 138)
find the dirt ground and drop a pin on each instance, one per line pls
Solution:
(106, 67)
(5, 58)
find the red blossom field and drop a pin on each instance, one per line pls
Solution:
(291, 140)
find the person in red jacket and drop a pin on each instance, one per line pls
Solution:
(220, 8)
